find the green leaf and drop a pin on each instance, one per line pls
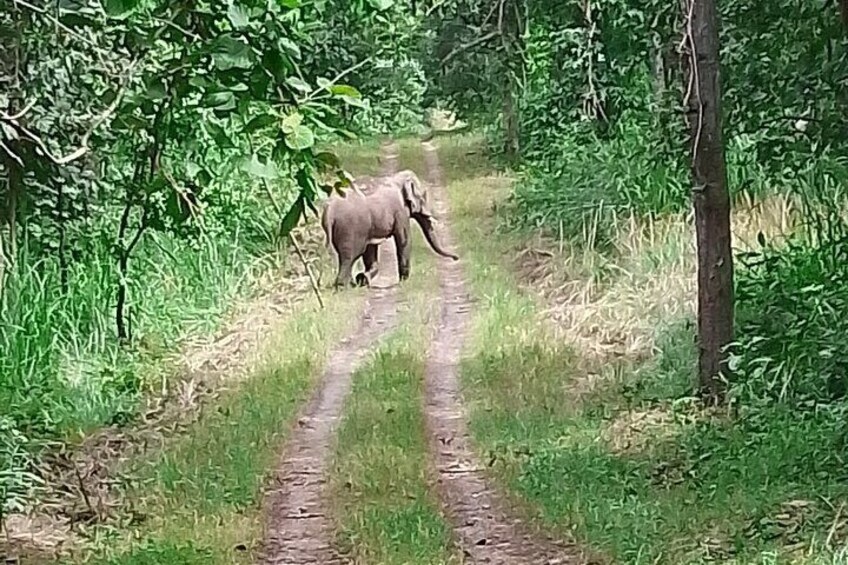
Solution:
(292, 217)
(290, 47)
(301, 138)
(8, 131)
(238, 16)
(232, 54)
(291, 123)
(259, 122)
(298, 84)
(156, 90)
(257, 168)
(345, 90)
(223, 100)
(355, 102)
(329, 158)
(381, 5)
(290, 4)
(119, 9)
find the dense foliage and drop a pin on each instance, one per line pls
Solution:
(152, 153)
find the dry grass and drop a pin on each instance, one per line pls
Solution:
(81, 480)
(608, 305)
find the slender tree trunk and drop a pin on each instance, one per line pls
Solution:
(843, 8)
(511, 23)
(710, 196)
(60, 218)
(13, 197)
(2, 267)
(510, 123)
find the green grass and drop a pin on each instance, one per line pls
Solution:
(361, 157)
(679, 485)
(200, 494)
(384, 508)
(58, 352)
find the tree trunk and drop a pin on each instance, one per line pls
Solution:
(710, 196)
(13, 197)
(510, 123)
(843, 8)
(62, 251)
(2, 267)
(511, 23)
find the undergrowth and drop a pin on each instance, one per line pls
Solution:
(609, 444)
(197, 500)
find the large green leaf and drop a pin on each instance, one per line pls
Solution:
(291, 122)
(290, 47)
(301, 138)
(231, 53)
(292, 217)
(345, 90)
(298, 84)
(352, 101)
(239, 16)
(119, 8)
(223, 100)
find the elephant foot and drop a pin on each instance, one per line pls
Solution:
(362, 280)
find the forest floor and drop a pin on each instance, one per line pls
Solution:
(513, 407)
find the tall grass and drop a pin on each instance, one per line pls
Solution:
(602, 398)
(62, 369)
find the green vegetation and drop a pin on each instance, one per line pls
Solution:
(200, 494)
(595, 435)
(154, 156)
(385, 510)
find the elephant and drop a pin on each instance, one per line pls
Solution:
(372, 211)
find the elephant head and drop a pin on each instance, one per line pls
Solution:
(417, 200)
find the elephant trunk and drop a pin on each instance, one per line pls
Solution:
(426, 224)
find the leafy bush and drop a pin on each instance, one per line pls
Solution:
(792, 318)
(593, 180)
(16, 478)
(394, 99)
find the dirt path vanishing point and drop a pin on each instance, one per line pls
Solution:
(485, 531)
(298, 531)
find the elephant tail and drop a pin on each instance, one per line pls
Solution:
(327, 225)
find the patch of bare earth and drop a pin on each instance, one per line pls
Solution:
(487, 531)
(82, 482)
(298, 530)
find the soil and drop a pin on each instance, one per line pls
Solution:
(298, 530)
(486, 530)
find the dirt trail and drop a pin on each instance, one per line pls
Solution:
(485, 530)
(298, 530)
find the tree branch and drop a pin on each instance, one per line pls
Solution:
(470, 45)
(13, 120)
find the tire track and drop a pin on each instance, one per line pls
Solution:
(298, 531)
(486, 532)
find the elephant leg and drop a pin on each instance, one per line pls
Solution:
(369, 259)
(404, 249)
(344, 280)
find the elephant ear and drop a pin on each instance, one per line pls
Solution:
(412, 195)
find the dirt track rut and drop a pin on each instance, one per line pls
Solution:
(486, 532)
(298, 530)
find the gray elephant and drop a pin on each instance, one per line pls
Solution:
(372, 211)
